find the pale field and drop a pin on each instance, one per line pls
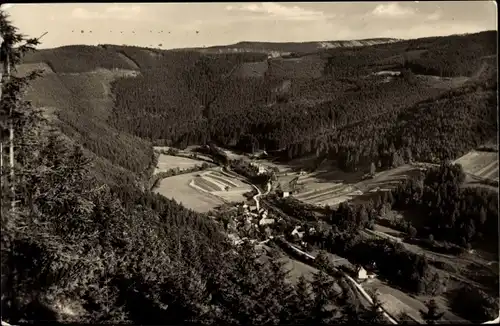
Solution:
(167, 162)
(178, 188)
(481, 164)
(387, 180)
(215, 184)
(331, 194)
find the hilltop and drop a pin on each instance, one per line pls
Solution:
(280, 48)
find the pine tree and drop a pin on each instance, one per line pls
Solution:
(323, 311)
(13, 111)
(375, 314)
(301, 303)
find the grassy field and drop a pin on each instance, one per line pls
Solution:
(167, 162)
(481, 164)
(203, 191)
(178, 188)
(216, 183)
(332, 194)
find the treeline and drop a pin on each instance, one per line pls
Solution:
(251, 173)
(155, 180)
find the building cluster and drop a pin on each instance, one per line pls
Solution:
(259, 167)
(251, 222)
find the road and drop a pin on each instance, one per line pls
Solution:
(233, 174)
(353, 282)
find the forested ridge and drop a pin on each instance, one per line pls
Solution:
(305, 103)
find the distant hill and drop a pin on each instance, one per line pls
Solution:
(286, 48)
(327, 98)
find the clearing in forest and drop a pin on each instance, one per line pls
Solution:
(221, 185)
(480, 164)
(179, 188)
(167, 162)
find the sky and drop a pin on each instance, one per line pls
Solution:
(179, 25)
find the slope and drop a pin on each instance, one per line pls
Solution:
(337, 102)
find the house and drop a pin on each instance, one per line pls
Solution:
(283, 194)
(361, 273)
(296, 233)
(266, 221)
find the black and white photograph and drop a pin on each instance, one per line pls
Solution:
(249, 163)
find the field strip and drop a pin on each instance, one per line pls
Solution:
(322, 192)
(466, 157)
(232, 191)
(338, 199)
(202, 182)
(337, 192)
(326, 197)
(221, 179)
(218, 183)
(203, 191)
(493, 174)
(315, 190)
(487, 169)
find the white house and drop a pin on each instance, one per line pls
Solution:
(266, 221)
(297, 233)
(361, 273)
(285, 194)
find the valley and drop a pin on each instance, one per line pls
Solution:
(259, 182)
